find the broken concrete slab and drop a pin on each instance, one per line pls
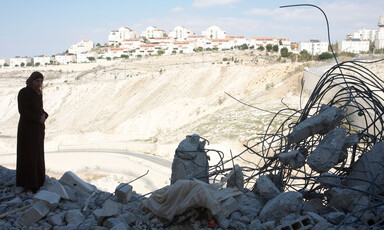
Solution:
(57, 188)
(228, 206)
(190, 160)
(327, 119)
(236, 178)
(33, 214)
(282, 205)
(123, 192)
(74, 217)
(109, 209)
(326, 154)
(266, 188)
(349, 141)
(51, 198)
(72, 180)
(335, 217)
(369, 167)
(293, 158)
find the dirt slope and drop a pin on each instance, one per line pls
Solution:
(150, 105)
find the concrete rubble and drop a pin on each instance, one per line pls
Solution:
(192, 201)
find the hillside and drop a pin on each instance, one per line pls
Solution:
(150, 105)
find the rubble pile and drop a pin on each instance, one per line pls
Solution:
(323, 168)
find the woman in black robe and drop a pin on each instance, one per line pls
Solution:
(30, 166)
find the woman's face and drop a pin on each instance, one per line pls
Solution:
(37, 83)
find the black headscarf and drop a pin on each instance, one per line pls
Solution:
(35, 75)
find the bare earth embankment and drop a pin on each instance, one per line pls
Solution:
(149, 106)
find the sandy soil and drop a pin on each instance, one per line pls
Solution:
(149, 106)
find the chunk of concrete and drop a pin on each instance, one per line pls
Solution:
(123, 192)
(110, 209)
(120, 226)
(236, 178)
(335, 217)
(51, 198)
(33, 214)
(228, 206)
(369, 167)
(70, 179)
(293, 158)
(58, 188)
(190, 160)
(302, 222)
(349, 141)
(282, 205)
(56, 219)
(222, 221)
(326, 154)
(327, 119)
(347, 199)
(266, 188)
(74, 217)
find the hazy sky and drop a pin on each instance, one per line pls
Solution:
(30, 28)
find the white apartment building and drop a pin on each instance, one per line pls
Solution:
(117, 36)
(84, 57)
(65, 58)
(379, 41)
(354, 45)
(2, 62)
(363, 34)
(131, 44)
(160, 39)
(81, 47)
(180, 33)
(199, 41)
(42, 60)
(147, 49)
(181, 47)
(222, 43)
(153, 32)
(117, 52)
(19, 61)
(214, 32)
(314, 47)
(263, 41)
(238, 40)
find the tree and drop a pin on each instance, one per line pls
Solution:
(325, 56)
(98, 45)
(280, 42)
(244, 47)
(275, 48)
(305, 56)
(145, 39)
(268, 47)
(91, 59)
(108, 58)
(37, 63)
(284, 52)
(22, 64)
(160, 52)
(261, 48)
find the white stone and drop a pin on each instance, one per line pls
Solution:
(293, 158)
(228, 206)
(74, 217)
(110, 208)
(58, 188)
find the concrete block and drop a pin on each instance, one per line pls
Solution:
(70, 179)
(123, 192)
(51, 198)
(327, 119)
(57, 219)
(33, 214)
(236, 178)
(335, 217)
(110, 208)
(266, 188)
(301, 223)
(74, 217)
(120, 226)
(369, 167)
(326, 154)
(293, 158)
(315, 217)
(58, 188)
(190, 160)
(228, 206)
(282, 205)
